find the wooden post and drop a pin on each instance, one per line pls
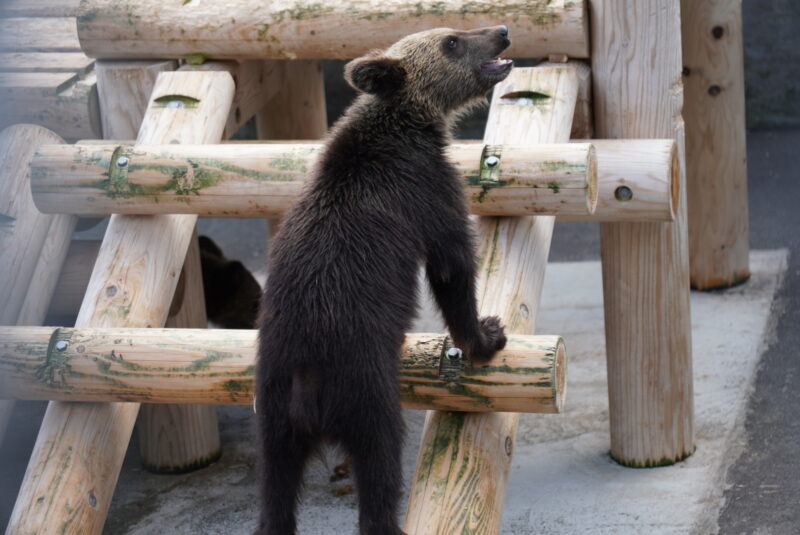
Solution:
(77, 457)
(308, 29)
(459, 483)
(190, 434)
(716, 151)
(297, 111)
(23, 236)
(216, 366)
(636, 67)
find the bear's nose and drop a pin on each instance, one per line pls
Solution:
(503, 30)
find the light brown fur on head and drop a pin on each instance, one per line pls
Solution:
(435, 72)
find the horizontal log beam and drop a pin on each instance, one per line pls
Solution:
(260, 180)
(216, 366)
(308, 29)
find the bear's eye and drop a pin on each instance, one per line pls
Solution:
(452, 42)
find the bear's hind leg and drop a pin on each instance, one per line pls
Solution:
(374, 439)
(285, 452)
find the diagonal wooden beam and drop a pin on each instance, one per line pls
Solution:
(75, 464)
(462, 468)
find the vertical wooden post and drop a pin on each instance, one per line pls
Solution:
(636, 68)
(459, 483)
(80, 448)
(296, 111)
(171, 438)
(716, 152)
(24, 235)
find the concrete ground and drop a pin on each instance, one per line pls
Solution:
(562, 479)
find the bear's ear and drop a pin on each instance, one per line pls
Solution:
(378, 75)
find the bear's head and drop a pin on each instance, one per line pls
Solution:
(436, 71)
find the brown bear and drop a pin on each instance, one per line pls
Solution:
(342, 287)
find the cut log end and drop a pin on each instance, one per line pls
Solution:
(560, 375)
(675, 182)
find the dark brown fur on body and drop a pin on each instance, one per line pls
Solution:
(342, 288)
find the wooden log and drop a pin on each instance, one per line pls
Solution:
(69, 481)
(75, 62)
(583, 122)
(124, 88)
(23, 232)
(637, 180)
(297, 111)
(171, 439)
(459, 483)
(33, 34)
(70, 109)
(636, 67)
(256, 80)
(257, 180)
(39, 8)
(716, 151)
(305, 29)
(217, 366)
(22, 228)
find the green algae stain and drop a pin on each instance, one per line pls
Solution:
(652, 463)
(446, 439)
(176, 101)
(554, 186)
(197, 58)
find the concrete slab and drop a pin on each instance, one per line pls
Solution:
(562, 479)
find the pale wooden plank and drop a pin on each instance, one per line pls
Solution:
(27, 85)
(45, 62)
(39, 8)
(25, 34)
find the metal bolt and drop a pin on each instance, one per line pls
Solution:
(62, 345)
(492, 161)
(174, 104)
(454, 353)
(623, 193)
(122, 161)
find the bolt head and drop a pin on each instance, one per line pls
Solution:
(492, 161)
(62, 345)
(454, 353)
(122, 161)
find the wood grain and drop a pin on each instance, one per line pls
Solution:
(460, 479)
(181, 439)
(636, 68)
(75, 62)
(39, 8)
(23, 235)
(216, 366)
(716, 151)
(79, 451)
(307, 29)
(72, 112)
(257, 180)
(30, 34)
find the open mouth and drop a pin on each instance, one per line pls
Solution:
(497, 66)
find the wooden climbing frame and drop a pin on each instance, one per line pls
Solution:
(263, 63)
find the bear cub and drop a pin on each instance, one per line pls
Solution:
(342, 287)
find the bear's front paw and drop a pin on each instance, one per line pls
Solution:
(493, 339)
